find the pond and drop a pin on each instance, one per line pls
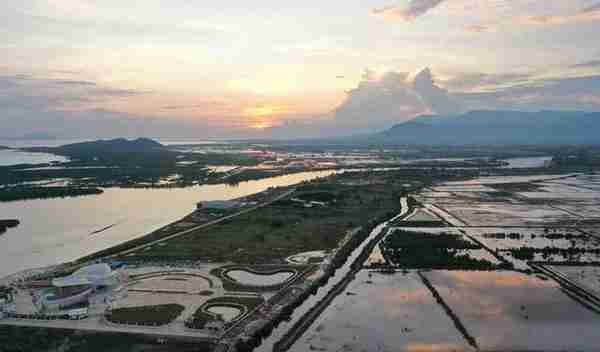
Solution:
(244, 277)
(228, 313)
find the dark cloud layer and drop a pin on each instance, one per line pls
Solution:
(414, 9)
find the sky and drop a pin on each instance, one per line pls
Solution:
(273, 69)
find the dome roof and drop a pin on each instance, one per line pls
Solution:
(94, 271)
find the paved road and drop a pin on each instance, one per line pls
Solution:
(210, 223)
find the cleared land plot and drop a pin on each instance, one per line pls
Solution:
(272, 233)
(380, 312)
(182, 283)
(509, 311)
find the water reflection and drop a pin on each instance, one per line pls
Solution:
(514, 311)
(381, 312)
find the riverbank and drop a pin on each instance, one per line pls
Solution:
(55, 231)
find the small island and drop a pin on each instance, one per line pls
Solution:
(5, 224)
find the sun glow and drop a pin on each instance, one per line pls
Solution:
(264, 116)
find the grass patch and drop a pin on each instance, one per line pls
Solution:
(146, 315)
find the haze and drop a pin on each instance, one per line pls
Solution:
(240, 69)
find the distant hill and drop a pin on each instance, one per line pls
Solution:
(496, 128)
(103, 147)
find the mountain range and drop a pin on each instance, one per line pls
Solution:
(494, 127)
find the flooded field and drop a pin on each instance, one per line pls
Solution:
(380, 312)
(509, 311)
(546, 200)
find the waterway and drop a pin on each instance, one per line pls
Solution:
(53, 231)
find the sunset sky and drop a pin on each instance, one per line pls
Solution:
(265, 68)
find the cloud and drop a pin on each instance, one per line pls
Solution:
(378, 102)
(477, 28)
(570, 93)
(59, 93)
(414, 9)
(592, 8)
(437, 99)
(480, 81)
(587, 64)
(588, 14)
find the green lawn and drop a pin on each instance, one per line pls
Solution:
(146, 315)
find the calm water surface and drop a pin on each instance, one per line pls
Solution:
(14, 157)
(380, 312)
(57, 230)
(510, 311)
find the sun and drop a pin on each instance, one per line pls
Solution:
(263, 116)
(261, 125)
(262, 111)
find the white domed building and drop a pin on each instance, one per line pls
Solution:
(77, 287)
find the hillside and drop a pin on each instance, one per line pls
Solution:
(100, 147)
(496, 128)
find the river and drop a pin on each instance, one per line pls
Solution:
(58, 230)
